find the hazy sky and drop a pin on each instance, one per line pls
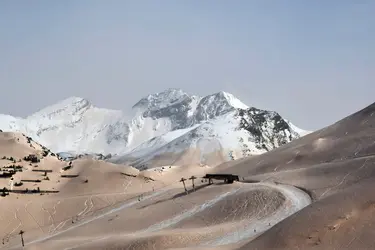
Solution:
(312, 61)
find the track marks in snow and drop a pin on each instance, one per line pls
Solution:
(296, 199)
(89, 205)
(7, 235)
(126, 185)
(53, 225)
(107, 198)
(110, 203)
(188, 213)
(123, 206)
(32, 216)
(17, 227)
(60, 225)
(51, 217)
(84, 209)
(343, 179)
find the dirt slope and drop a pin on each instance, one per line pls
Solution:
(337, 166)
(93, 204)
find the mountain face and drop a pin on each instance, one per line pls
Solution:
(170, 121)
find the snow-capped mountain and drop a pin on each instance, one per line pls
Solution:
(170, 121)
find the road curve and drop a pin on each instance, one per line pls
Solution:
(295, 200)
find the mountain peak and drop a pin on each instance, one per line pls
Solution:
(73, 100)
(161, 99)
(69, 106)
(217, 104)
(232, 100)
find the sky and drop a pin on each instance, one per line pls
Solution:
(311, 61)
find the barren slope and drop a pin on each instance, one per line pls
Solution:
(336, 165)
(213, 216)
(48, 195)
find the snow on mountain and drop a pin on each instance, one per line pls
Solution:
(169, 121)
(237, 133)
(215, 105)
(162, 100)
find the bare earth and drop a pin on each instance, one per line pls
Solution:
(337, 167)
(313, 193)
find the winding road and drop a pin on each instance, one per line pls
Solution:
(295, 200)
